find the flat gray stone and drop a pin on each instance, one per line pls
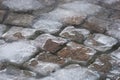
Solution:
(64, 16)
(17, 52)
(21, 5)
(100, 42)
(114, 30)
(47, 26)
(82, 7)
(77, 73)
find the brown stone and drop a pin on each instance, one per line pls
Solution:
(96, 24)
(102, 64)
(76, 52)
(50, 58)
(52, 46)
(74, 34)
(49, 42)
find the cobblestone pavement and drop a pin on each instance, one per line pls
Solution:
(59, 39)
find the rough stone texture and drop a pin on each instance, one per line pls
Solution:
(14, 73)
(56, 39)
(77, 73)
(17, 52)
(113, 4)
(74, 34)
(114, 30)
(21, 5)
(18, 33)
(108, 65)
(47, 26)
(2, 13)
(47, 57)
(44, 63)
(2, 29)
(96, 24)
(19, 19)
(45, 41)
(100, 42)
(115, 15)
(65, 16)
(77, 53)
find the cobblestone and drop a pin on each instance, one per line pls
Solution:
(59, 39)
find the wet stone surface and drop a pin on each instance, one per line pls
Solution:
(59, 39)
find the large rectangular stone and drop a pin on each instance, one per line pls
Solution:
(19, 19)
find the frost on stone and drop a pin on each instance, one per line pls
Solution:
(65, 16)
(77, 73)
(43, 39)
(82, 7)
(100, 42)
(47, 26)
(17, 52)
(74, 34)
(114, 30)
(18, 33)
(2, 29)
(22, 5)
(43, 68)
